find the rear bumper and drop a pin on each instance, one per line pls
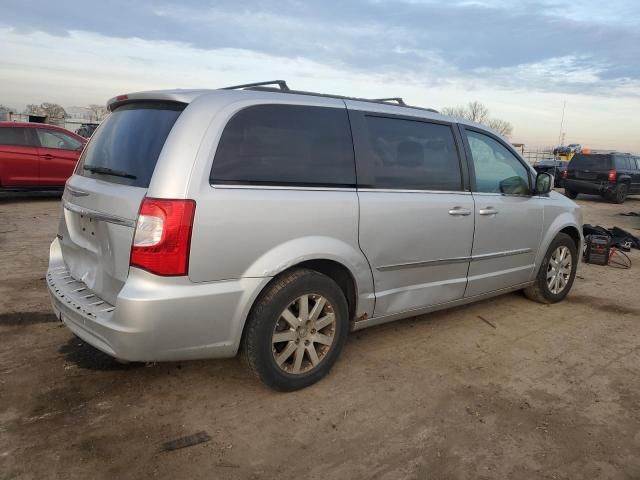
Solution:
(155, 318)
(586, 186)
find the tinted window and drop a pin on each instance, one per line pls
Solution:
(624, 163)
(128, 143)
(286, 145)
(56, 139)
(13, 136)
(407, 154)
(590, 162)
(497, 170)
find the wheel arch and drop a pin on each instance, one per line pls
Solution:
(343, 263)
(563, 223)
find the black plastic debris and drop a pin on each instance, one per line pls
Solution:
(188, 441)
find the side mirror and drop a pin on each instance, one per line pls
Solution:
(543, 183)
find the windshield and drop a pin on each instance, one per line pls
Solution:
(126, 146)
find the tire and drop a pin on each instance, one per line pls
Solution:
(571, 194)
(541, 291)
(620, 193)
(297, 328)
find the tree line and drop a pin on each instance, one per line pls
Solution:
(54, 110)
(479, 113)
(473, 111)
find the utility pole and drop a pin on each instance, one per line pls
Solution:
(561, 135)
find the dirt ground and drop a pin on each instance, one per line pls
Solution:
(535, 392)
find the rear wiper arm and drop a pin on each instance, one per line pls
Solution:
(109, 171)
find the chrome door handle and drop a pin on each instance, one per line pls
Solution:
(459, 212)
(488, 211)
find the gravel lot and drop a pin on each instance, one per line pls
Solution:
(534, 391)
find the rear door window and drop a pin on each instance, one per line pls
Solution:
(56, 139)
(286, 145)
(14, 136)
(410, 155)
(126, 146)
(623, 163)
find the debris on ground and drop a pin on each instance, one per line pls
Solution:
(188, 441)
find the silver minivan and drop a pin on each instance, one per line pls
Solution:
(200, 223)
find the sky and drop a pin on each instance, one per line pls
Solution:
(522, 59)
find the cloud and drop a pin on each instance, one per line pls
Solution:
(534, 44)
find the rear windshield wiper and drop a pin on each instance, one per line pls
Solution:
(109, 171)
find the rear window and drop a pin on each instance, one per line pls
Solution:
(13, 136)
(126, 146)
(591, 162)
(286, 145)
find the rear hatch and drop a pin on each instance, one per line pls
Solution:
(589, 167)
(102, 198)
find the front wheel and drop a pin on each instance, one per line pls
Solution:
(296, 330)
(557, 272)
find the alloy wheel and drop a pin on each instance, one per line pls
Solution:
(304, 334)
(559, 270)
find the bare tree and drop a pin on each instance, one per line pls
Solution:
(4, 108)
(97, 112)
(479, 113)
(456, 112)
(46, 109)
(503, 127)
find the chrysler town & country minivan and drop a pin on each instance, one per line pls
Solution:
(201, 223)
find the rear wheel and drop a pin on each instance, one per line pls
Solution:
(572, 194)
(296, 330)
(620, 193)
(557, 272)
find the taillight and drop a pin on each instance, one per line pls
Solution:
(163, 236)
(565, 174)
(613, 175)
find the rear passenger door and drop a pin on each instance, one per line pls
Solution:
(508, 217)
(636, 175)
(58, 156)
(416, 218)
(18, 158)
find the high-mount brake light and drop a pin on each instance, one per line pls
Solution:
(162, 238)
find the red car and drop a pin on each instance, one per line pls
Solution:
(37, 156)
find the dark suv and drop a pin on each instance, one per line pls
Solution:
(612, 176)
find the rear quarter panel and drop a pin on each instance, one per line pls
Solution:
(245, 232)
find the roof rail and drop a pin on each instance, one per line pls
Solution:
(281, 83)
(281, 86)
(398, 100)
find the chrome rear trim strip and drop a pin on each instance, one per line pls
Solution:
(105, 217)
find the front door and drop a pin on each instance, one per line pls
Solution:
(18, 158)
(508, 218)
(416, 219)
